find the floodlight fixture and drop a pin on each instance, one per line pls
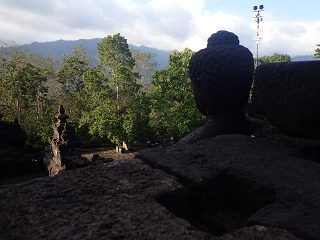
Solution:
(257, 18)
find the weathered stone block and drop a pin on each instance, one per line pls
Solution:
(287, 94)
(121, 200)
(237, 181)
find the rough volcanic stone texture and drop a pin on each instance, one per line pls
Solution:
(221, 76)
(220, 126)
(222, 37)
(237, 181)
(307, 148)
(288, 95)
(129, 200)
(119, 200)
(260, 232)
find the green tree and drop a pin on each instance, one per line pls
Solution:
(29, 87)
(136, 121)
(70, 76)
(22, 87)
(119, 107)
(115, 55)
(317, 52)
(101, 108)
(145, 66)
(23, 90)
(13, 53)
(26, 96)
(174, 112)
(276, 57)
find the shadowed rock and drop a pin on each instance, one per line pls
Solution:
(15, 155)
(287, 94)
(236, 181)
(119, 200)
(124, 199)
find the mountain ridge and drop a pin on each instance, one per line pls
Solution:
(303, 58)
(59, 47)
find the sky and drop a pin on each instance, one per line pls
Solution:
(289, 27)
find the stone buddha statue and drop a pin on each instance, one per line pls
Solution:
(221, 77)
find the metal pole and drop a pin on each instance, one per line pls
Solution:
(257, 18)
(257, 55)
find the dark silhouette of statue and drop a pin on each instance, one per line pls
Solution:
(221, 77)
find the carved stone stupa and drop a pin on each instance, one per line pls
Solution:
(64, 142)
(65, 147)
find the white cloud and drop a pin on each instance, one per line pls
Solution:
(164, 24)
(299, 38)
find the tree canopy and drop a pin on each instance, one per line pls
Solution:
(317, 52)
(70, 76)
(122, 98)
(124, 108)
(24, 89)
(174, 112)
(276, 57)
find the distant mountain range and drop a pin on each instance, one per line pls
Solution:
(57, 48)
(303, 58)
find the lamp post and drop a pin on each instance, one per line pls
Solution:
(171, 138)
(257, 18)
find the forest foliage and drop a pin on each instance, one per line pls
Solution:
(276, 57)
(109, 102)
(123, 97)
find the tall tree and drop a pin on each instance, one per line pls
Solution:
(115, 55)
(121, 107)
(174, 112)
(22, 87)
(145, 66)
(22, 82)
(13, 53)
(70, 76)
(317, 52)
(23, 90)
(100, 99)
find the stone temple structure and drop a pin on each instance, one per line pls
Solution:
(65, 146)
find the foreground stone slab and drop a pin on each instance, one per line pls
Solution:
(261, 233)
(237, 181)
(120, 200)
(308, 148)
